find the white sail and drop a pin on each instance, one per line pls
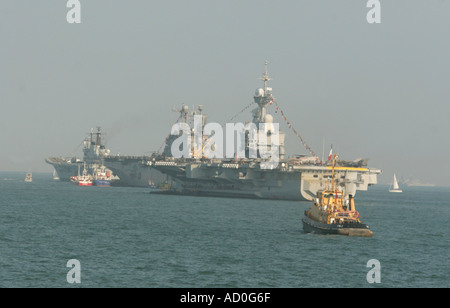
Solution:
(55, 175)
(395, 187)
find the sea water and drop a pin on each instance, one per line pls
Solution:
(128, 237)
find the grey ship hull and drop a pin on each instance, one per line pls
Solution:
(299, 183)
(289, 191)
(64, 168)
(129, 170)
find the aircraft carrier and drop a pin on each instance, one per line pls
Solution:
(295, 178)
(93, 153)
(126, 170)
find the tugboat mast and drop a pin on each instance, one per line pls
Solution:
(332, 173)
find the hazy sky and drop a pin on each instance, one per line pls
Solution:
(378, 91)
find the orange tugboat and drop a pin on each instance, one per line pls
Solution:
(334, 213)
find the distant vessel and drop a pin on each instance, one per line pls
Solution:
(102, 177)
(93, 152)
(152, 185)
(333, 212)
(84, 179)
(394, 187)
(55, 175)
(124, 170)
(29, 177)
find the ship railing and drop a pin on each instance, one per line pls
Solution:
(230, 166)
(346, 214)
(165, 163)
(114, 157)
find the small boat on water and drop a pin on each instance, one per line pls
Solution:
(394, 187)
(102, 177)
(152, 185)
(55, 175)
(334, 213)
(85, 181)
(29, 177)
(82, 180)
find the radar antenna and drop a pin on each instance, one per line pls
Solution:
(265, 78)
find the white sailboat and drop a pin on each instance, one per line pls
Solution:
(394, 187)
(55, 175)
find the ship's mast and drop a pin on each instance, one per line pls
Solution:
(98, 139)
(265, 78)
(92, 133)
(263, 96)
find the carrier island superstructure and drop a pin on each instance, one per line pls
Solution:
(296, 178)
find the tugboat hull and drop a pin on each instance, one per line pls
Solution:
(350, 229)
(102, 183)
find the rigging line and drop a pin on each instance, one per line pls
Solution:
(76, 149)
(231, 119)
(239, 113)
(168, 136)
(208, 141)
(295, 132)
